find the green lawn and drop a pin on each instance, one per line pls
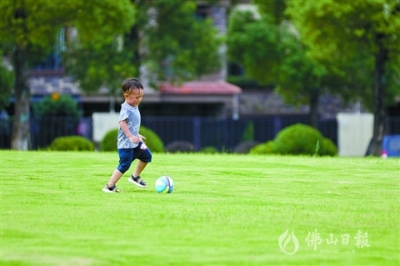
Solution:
(225, 210)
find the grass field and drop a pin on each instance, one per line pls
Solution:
(225, 210)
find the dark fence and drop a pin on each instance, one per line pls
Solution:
(223, 134)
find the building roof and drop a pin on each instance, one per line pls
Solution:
(201, 87)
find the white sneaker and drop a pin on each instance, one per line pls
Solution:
(134, 180)
(113, 189)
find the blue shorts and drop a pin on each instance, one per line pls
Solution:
(127, 156)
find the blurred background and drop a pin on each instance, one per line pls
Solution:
(221, 74)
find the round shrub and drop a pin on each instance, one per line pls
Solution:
(329, 148)
(153, 141)
(61, 112)
(57, 105)
(299, 139)
(245, 146)
(109, 141)
(71, 143)
(179, 146)
(264, 148)
(209, 150)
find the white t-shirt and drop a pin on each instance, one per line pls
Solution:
(132, 116)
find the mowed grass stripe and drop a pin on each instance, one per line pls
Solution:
(225, 210)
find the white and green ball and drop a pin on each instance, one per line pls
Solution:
(164, 184)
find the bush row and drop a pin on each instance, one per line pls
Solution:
(297, 139)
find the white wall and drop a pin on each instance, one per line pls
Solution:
(354, 133)
(102, 123)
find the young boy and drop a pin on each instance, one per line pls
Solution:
(130, 143)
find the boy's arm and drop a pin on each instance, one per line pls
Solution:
(142, 138)
(127, 133)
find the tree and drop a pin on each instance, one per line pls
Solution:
(253, 43)
(275, 8)
(300, 80)
(272, 53)
(105, 66)
(174, 44)
(338, 31)
(167, 41)
(31, 25)
(6, 81)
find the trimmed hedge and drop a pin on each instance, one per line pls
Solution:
(209, 150)
(57, 105)
(295, 140)
(153, 141)
(264, 148)
(109, 141)
(71, 143)
(329, 148)
(302, 139)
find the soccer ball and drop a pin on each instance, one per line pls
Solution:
(164, 184)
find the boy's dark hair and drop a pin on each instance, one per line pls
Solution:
(131, 83)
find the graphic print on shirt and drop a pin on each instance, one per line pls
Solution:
(131, 116)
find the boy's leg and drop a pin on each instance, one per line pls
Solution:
(135, 177)
(110, 187)
(144, 156)
(139, 168)
(116, 175)
(125, 160)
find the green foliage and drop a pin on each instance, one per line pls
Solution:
(30, 27)
(71, 143)
(180, 46)
(6, 84)
(106, 63)
(209, 150)
(6, 80)
(264, 148)
(272, 53)
(97, 21)
(248, 134)
(351, 26)
(329, 148)
(301, 139)
(153, 141)
(299, 75)
(245, 83)
(104, 66)
(275, 8)
(366, 31)
(349, 42)
(57, 105)
(59, 110)
(109, 141)
(393, 80)
(252, 42)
